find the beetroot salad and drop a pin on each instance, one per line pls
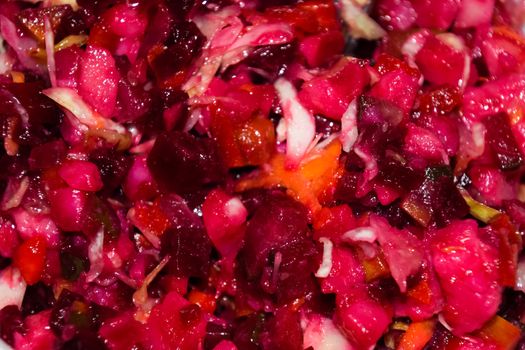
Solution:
(262, 174)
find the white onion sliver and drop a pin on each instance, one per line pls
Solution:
(300, 124)
(360, 24)
(361, 234)
(95, 254)
(320, 333)
(326, 264)
(12, 287)
(49, 39)
(349, 132)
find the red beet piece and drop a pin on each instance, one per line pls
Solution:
(98, 80)
(185, 240)
(330, 94)
(437, 14)
(467, 271)
(182, 163)
(502, 143)
(175, 324)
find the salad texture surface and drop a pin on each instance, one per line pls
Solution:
(262, 174)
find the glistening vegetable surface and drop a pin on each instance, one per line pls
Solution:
(262, 174)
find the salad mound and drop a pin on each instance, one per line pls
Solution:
(262, 174)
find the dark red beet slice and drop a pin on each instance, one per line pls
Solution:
(182, 163)
(279, 221)
(501, 140)
(185, 241)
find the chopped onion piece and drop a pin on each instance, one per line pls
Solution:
(349, 132)
(97, 124)
(141, 299)
(49, 39)
(326, 264)
(320, 333)
(95, 254)
(12, 287)
(458, 44)
(361, 234)
(361, 25)
(300, 124)
(14, 192)
(413, 44)
(479, 210)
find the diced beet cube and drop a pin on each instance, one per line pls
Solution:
(9, 239)
(113, 166)
(363, 320)
(190, 251)
(278, 221)
(73, 23)
(436, 199)
(440, 63)
(446, 130)
(247, 331)
(467, 271)
(295, 272)
(321, 48)
(182, 163)
(11, 323)
(516, 210)
(284, 330)
(347, 186)
(37, 333)
(425, 144)
(122, 332)
(493, 97)
(69, 208)
(474, 13)
(177, 211)
(423, 298)
(183, 45)
(334, 222)
(37, 298)
(330, 94)
(503, 50)
(501, 140)
(395, 14)
(374, 111)
(273, 59)
(492, 185)
(47, 155)
(397, 177)
(139, 183)
(169, 328)
(98, 80)
(81, 175)
(126, 21)
(73, 315)
(31, 224)
(346, 275)
(185, 240)
(224, 217)
(397, 87)
(437, 14)
(67, 62)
